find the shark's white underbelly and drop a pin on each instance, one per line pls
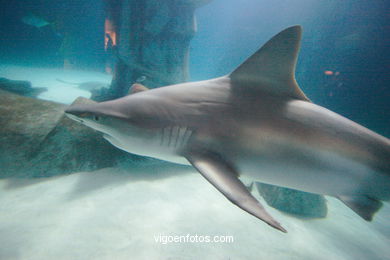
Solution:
(323, 172)
(316, 171)
(165, 145)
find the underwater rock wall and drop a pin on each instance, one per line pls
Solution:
(37, 140)
(20, 87)
(298, 203)
(24, 124)
(153, 46)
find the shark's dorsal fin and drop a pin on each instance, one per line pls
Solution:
(136, 87)
(272, 68)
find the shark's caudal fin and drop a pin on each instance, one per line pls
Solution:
(272, 68)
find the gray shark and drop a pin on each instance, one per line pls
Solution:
(254, 122)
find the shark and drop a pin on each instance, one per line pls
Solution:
(255, 123)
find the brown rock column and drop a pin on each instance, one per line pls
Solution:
(152, 42)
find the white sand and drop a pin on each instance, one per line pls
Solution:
(115, 214)
(57, 91)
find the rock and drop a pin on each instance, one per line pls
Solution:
(298, 203)
(24, 124)
(71, 147)
(154, 38)
(157, 15)
(37, 140)
(102, 94)
(20, 87)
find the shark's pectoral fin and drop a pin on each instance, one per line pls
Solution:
(224, 177)
(364, 206)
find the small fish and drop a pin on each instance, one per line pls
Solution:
(141, 79)
(88, 85)
(34, 20)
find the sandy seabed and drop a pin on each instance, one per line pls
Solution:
(53, 80)
(116, 214)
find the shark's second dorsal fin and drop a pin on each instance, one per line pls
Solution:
(272, 68)
(364, 206)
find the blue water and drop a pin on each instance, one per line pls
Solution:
(349, 37)
(115, 213)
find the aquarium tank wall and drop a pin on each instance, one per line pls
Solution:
(194, 129)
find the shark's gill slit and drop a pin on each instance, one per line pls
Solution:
(183, 132)
(177, 128)
(170, 136)
(166, 136)
(186, 136)
(162, 130)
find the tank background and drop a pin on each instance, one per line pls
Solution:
(348, 37)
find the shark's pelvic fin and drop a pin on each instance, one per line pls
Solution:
(364, 206)
(223, 177)
(272, 68)
(136, 87)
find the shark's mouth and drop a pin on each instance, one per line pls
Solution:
(113, 141)
(107, 137)
(75, 118)
(110, 138)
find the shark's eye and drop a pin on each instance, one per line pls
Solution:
(96, 118)
(82, 115)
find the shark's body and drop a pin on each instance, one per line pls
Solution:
(254, 122)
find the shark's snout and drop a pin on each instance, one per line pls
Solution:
(84, 114)
(76, 113)
(75, 110)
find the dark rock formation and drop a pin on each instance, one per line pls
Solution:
(37, 140)
(71, 147)
(154, 39)
(297, 203)
(24, 124)
(20, 87)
